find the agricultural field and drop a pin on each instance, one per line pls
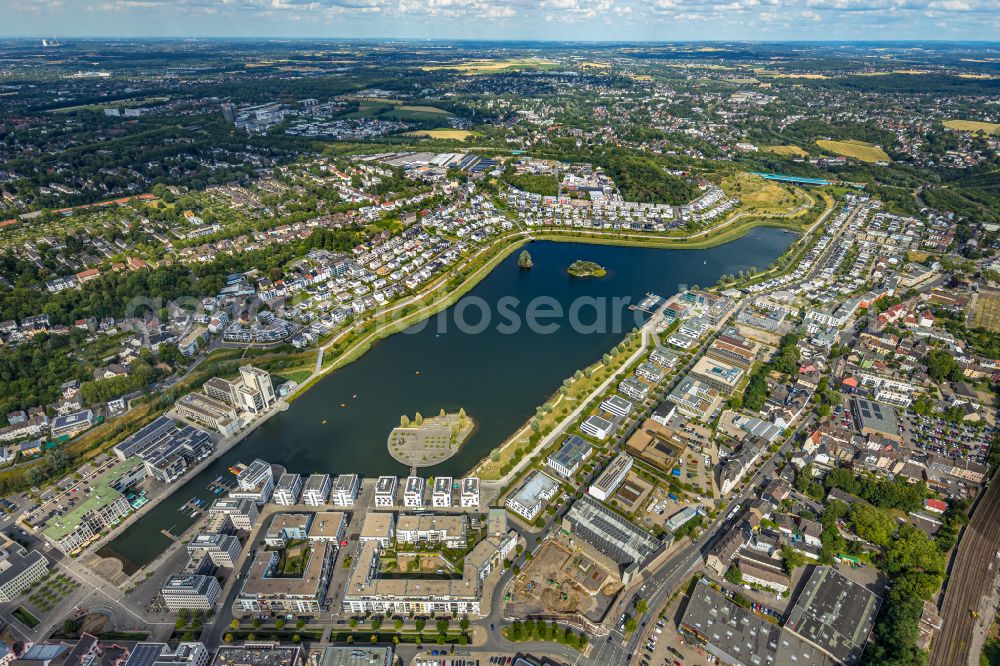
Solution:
(975, 126)
(443, 133)
(986, 312)
(859, 150)
(790, 150)
(473, 67)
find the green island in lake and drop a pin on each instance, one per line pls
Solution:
(580, 268)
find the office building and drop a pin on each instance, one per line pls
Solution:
(567, 460)
(612, 476)
(191, 592)
(598, 427)
(527, 500)
(19, 569)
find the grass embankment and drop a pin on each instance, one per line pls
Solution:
(552, 412)
(859, 150)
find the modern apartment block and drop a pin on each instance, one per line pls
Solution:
(385, 491)
(316, 491)
(345, 490)
(441, 495)
(470, 492)
(288, 490)
(413, 492)
(19, 569)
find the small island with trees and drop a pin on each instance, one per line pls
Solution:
(581, 268)
(524, 261)
(422, 442)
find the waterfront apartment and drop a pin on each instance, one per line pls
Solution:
(316, 490)
(102, 506)
(664, 358)
(208, 411)
(441, 494)
(191, 592)
(222, 549)
(567, 460)
(242, 512)
(470, 492)
(424, 528)
(286, 527)
(612, 476)
(166, 449)
(651, 373)
(617, 406)
(598, 427)
(345, 490)
(288, 490)
(19, 569)
(413, 492)
(255, 482)
(527, 500)
(385, 491)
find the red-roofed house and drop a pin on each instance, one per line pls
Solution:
(935, 505)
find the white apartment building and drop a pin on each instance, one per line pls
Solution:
(413, 492)
(385, 491)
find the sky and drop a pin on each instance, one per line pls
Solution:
(585, 20)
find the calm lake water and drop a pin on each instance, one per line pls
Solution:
(498, 375)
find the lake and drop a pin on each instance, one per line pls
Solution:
(499, 373)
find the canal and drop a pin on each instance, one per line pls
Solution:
(498, 372)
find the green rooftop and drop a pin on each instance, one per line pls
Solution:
(101, 495)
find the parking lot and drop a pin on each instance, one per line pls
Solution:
(957, 440)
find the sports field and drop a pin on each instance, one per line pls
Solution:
(973, 126)
(859, 150)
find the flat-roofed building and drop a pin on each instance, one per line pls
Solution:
(328, 526)
(385, 491)
(255, 481)
(345, 490)
(617, 406)
(527, 500)
(357, 655)
(876, 418)
(210, 412)
(611, 538)
(470, 492)
(316, 490)
(222, 549)
(695, 399)
(367, 592)
(664, 358)
(19, 569)
(242, 512)
(288, 527)
(452, 531)
(651, 373)
(288, 490)
(160, 654)
(634, 388)
(835, 614)
(259, 654)
(567, 460)
(734, 349)
(664, 412)
(379, 527)
(441, 494)
(191, 592)
(413, 492)
(101, 506)
(269, 590)
(736, 635)
(655, 445)
(612, 476)
(720, 375)
(145, 436)
(597, 427)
